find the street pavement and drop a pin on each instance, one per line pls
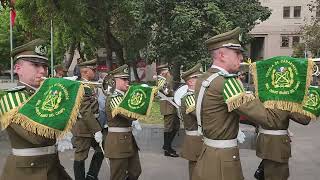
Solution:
(304, 165)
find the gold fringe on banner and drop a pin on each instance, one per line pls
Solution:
(311, 64)
(6, 118)
(236, 101)
(253, 70)
(120, 110)
(46, 131)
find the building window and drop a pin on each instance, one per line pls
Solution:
(286, 12)
(297, 11)
(295, 40)
(284, 41)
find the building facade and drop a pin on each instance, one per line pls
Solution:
(278, 35)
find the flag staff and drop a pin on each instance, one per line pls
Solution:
(51, 48)
(11, 45)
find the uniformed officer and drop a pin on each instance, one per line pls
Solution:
(87, 130)
(33, 157)
(169, 112)
(192, 144)
(221, 98)
(274, 146)
(120, 145)
(60, 70)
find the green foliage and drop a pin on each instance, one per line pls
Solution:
(18, 33)
(170, 30)
(298, 50)
(181, 27)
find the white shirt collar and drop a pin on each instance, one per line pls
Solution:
(34, 88)
(121, 92)
(84, 79)
(220, 68)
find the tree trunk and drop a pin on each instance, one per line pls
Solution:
(118, 49)
(134, 68)
(80, 51)
(108, 45)
(176, 74)
(71, 54)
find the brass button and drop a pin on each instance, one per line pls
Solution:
(32, 164)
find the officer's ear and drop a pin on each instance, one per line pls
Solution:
(17, 67)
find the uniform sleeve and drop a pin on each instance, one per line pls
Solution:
(257, 113)
(88, 115)
(29, 136)
(299, 118)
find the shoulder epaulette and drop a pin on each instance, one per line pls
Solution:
(232, 88)
(187, 94)
(116, 99)
(11, 100)
(190, 102)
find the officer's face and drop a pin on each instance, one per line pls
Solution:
(31, 72)
(192, 83)
(233, 58)
(91, 74)
(122, 84)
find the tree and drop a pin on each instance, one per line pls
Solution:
(310, 34)
(181, 27)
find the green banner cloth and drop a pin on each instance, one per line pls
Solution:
(282, 82)
(137, 102)
(53, 109)
(312, 105)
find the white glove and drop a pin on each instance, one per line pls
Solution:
(65, 142)
(136, 127)
(98, 137)
(241, 136)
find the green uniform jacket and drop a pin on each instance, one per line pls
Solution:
(220, 124)
(119, 144)
(44, 167)
(87, 123)
(277, 147)
(167, 108)
(192, 145)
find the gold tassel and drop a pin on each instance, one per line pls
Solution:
(7, 117)
(236, 101)
(253, 70)
(309, 79)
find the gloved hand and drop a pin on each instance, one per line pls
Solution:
(98, 137)
(136, 127)
(65, 142)
(241, 136)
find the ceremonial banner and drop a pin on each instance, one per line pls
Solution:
(282, 82)
(137, 102)
(53, 109)
(312, 105)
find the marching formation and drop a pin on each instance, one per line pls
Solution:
(41, 115)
